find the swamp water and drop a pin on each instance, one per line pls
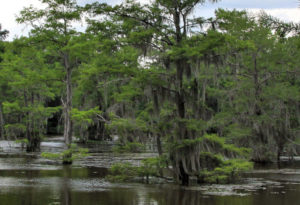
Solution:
(27, 179)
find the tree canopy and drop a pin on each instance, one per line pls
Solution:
(211, 94)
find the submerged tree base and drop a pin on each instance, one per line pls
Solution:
(124, 172)
(217, 171)
(67, 156)
(31, 146)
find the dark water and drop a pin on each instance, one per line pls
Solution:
(30, 180)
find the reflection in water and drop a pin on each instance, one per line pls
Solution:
(29, 180)
(77, 191)
(287, 194)
(66, 197)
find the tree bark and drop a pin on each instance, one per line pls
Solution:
(28, 136)
(2, 123)
(158, 143)
(33, 140)
(180, 98)
(68, 103)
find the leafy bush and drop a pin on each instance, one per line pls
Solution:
(131, 147)
(122, 172)
(23, 142)
(227, 172)
(67, 156)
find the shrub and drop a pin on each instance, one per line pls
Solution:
(67, 156)
(122, 172)
(129, 147)
(227, 172)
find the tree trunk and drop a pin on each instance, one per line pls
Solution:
(27, 134)
(158, 143)
(68, 103)
(180, 99)
(68, 127)
(184, 177)
(33, 143)
(2, 123)
(278, 155)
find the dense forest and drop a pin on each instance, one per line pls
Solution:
(212, 94)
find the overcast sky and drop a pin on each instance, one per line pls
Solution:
(284, 9)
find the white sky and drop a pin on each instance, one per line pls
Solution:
(283, 9)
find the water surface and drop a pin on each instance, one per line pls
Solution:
(28, 180)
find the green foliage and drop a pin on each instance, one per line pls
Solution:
(127, 129)
(11, 107)
(23, 142)
(216, 143)
(85, 117)
(128, 93)
(122, 125)
(68, 155)
(215, 140)
(83, 120)
(14, 130)
(203, 88)
(227, 172)
(215, 170)
(124, 172)
(129, 147)
(153, 166)
(52, 156)
(209, 161)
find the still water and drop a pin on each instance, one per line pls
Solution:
(30, 180)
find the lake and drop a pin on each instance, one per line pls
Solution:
(27, 179)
